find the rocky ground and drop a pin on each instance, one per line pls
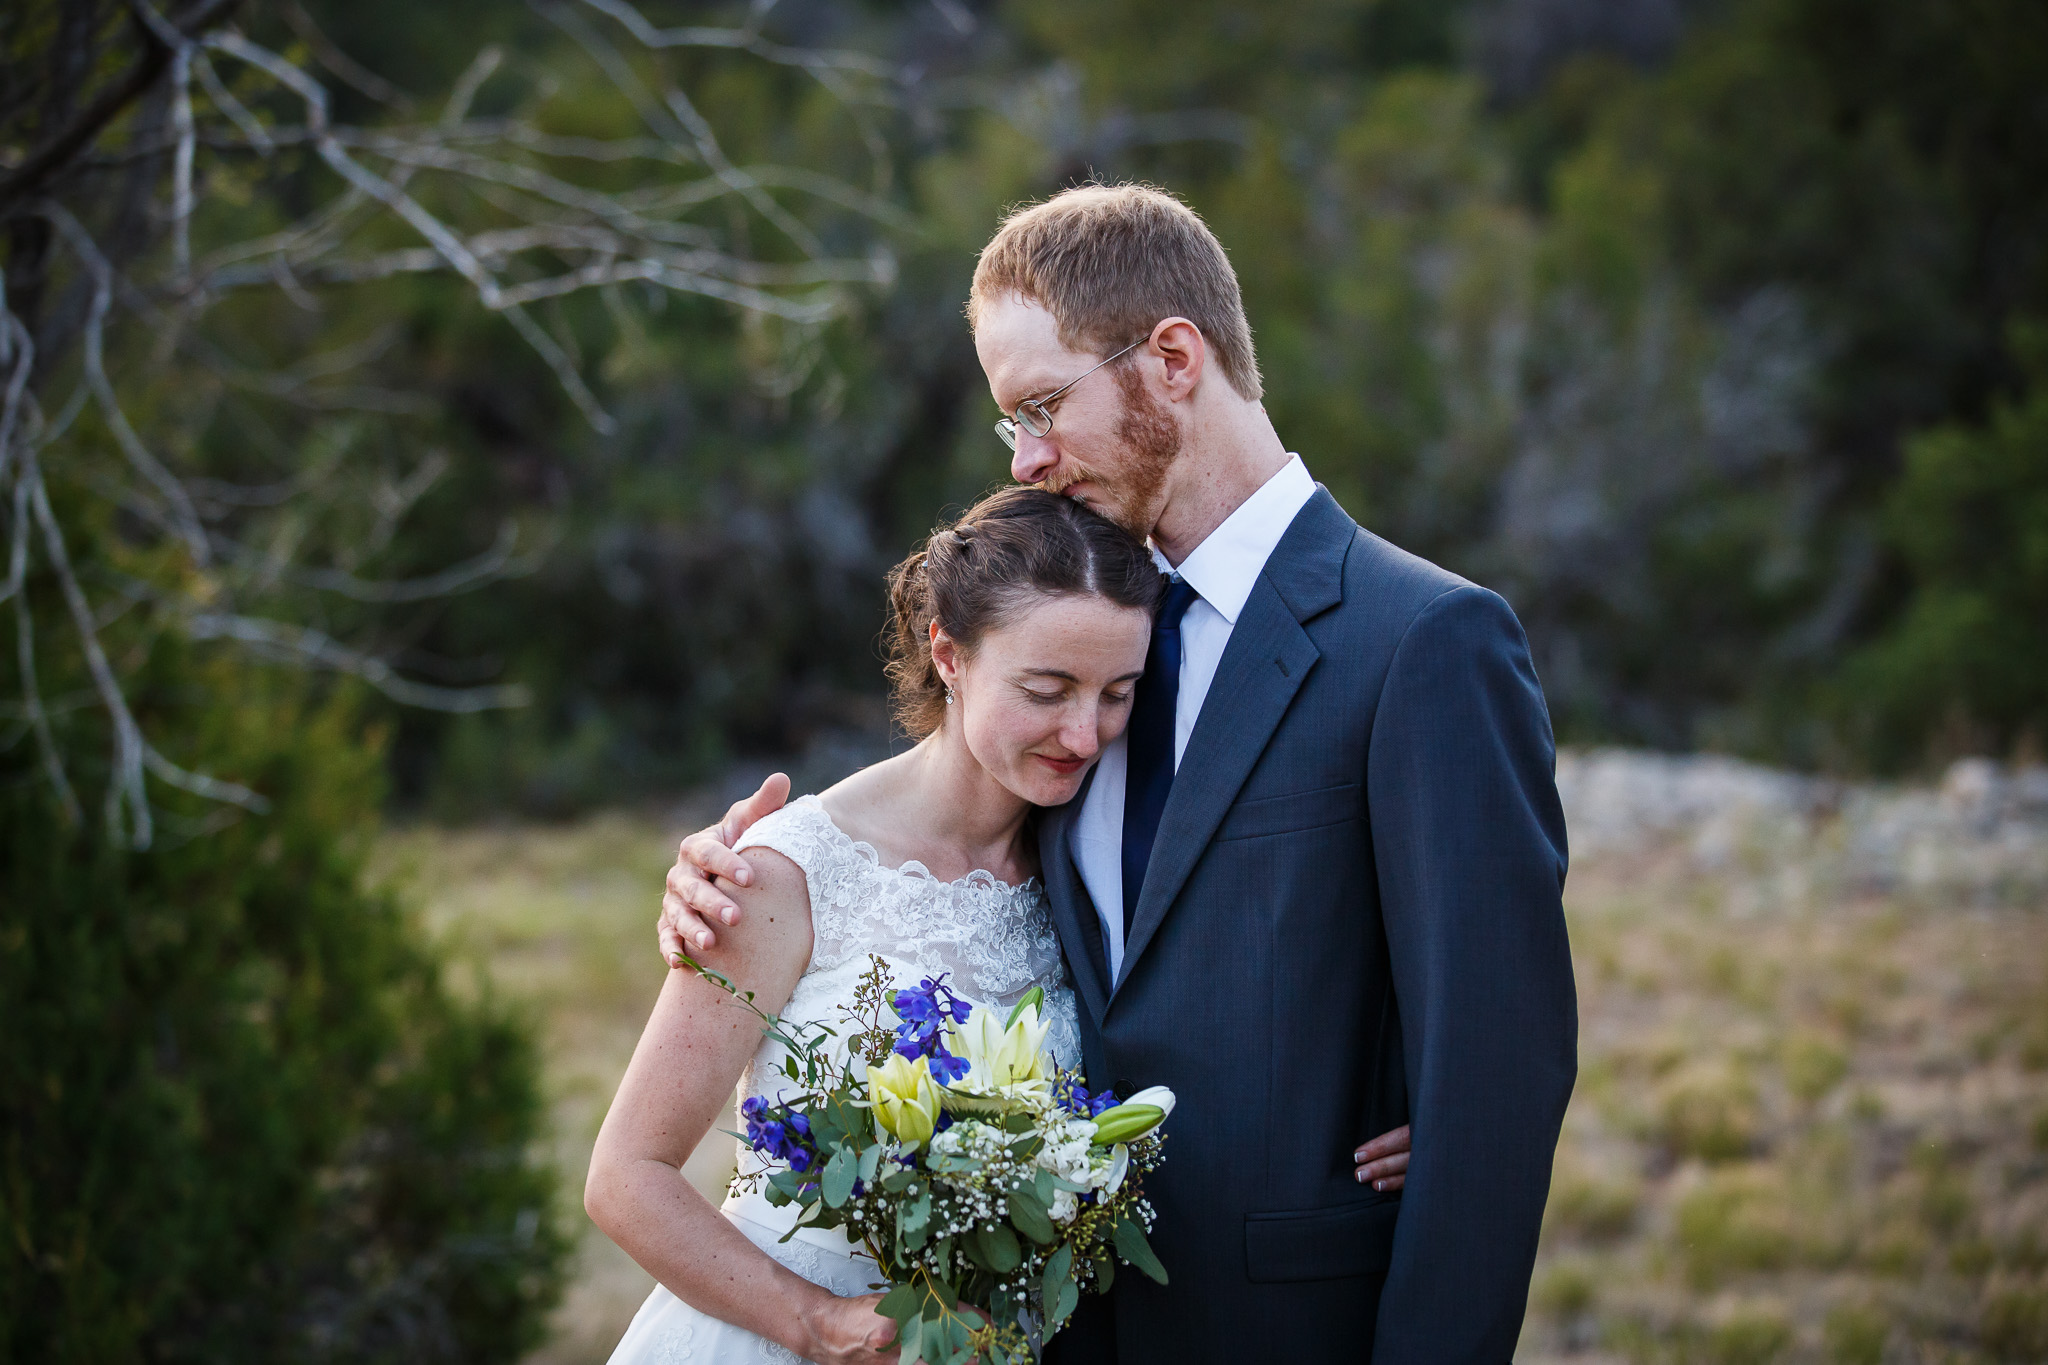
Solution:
(1812, 1116)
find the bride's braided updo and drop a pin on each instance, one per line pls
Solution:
(970, 575)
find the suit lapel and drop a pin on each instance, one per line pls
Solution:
(1263, 666)
(1073, 910)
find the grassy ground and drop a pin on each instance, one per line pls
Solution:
(1810, 1126)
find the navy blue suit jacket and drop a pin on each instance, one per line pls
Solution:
(1352, 918)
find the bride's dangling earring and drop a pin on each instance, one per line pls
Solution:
(949, 696)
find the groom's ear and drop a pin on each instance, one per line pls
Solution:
(1185, 351)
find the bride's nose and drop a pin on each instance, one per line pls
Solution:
(1081, 736)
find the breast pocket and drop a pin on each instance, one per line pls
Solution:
(1321, 1244)
(1290, 812)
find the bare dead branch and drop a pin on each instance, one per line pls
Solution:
(511, 217)
(287, 641)
(125, 791)
(182, 513)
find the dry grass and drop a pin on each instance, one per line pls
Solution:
(1807, 1127)
(1810, 1126)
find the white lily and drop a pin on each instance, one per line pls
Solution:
(1002, 1061)
(1119, 1167)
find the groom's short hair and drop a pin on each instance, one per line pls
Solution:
(1108, 262)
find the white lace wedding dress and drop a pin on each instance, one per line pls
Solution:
(995, 940)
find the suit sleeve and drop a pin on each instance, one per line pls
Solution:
(1469, 841)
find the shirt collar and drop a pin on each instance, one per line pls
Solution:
(1224, 567)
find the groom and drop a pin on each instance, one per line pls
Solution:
(1315, 889)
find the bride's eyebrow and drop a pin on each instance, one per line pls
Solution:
(1065, 676)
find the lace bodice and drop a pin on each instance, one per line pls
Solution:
(995, 940)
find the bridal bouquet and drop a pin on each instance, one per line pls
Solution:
(976, 1173)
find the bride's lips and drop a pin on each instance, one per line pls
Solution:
(1065, 767)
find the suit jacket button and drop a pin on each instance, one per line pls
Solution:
(1124, 1087)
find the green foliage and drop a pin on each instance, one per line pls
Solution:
(1967, 660)
(243, 1117)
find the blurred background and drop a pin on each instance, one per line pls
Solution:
(446, 452)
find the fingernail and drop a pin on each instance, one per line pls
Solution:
(744, 878)
(731, 917)
(1359, 1176)
(1379, 1184)
(675, 959)
(1358, 1155)
(703, 940)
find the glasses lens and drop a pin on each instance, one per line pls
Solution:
(1034, 418)
(1008, 431)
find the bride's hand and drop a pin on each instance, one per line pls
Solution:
(849, 1332)
(693, 902)
(1383, 1162)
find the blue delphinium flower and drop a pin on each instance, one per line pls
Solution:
(921, 1032)
(1077, 1101)
(778, 1134)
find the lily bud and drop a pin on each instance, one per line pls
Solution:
(1126, 1122)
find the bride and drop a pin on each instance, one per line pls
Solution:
(1019, 635)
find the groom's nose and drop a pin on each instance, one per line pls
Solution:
(1036, 458)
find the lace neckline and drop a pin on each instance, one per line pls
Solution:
(979, 879)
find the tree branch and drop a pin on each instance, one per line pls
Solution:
(60, 151)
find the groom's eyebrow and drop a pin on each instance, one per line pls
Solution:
(1036, 390)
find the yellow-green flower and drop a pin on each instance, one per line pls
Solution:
(906, 1099)
(999, 1058)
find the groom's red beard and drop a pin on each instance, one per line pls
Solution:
(1151, 442)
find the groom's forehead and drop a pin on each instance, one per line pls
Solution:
(1020, 349)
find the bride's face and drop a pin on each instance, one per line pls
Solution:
(1038, 697)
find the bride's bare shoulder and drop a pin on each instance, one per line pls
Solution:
(871, 801)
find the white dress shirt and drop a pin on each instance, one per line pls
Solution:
(1222, 571)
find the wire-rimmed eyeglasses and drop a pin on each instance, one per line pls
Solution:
(1035, 414)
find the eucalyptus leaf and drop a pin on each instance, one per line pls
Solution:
(839, 1176)
(1132, 1246)
(1029, 1214)
(1058, 1268)
(899, 1303)
(999, 1248)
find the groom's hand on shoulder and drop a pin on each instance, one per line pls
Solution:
(692, 904)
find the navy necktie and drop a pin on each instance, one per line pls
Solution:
(1150, 779)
